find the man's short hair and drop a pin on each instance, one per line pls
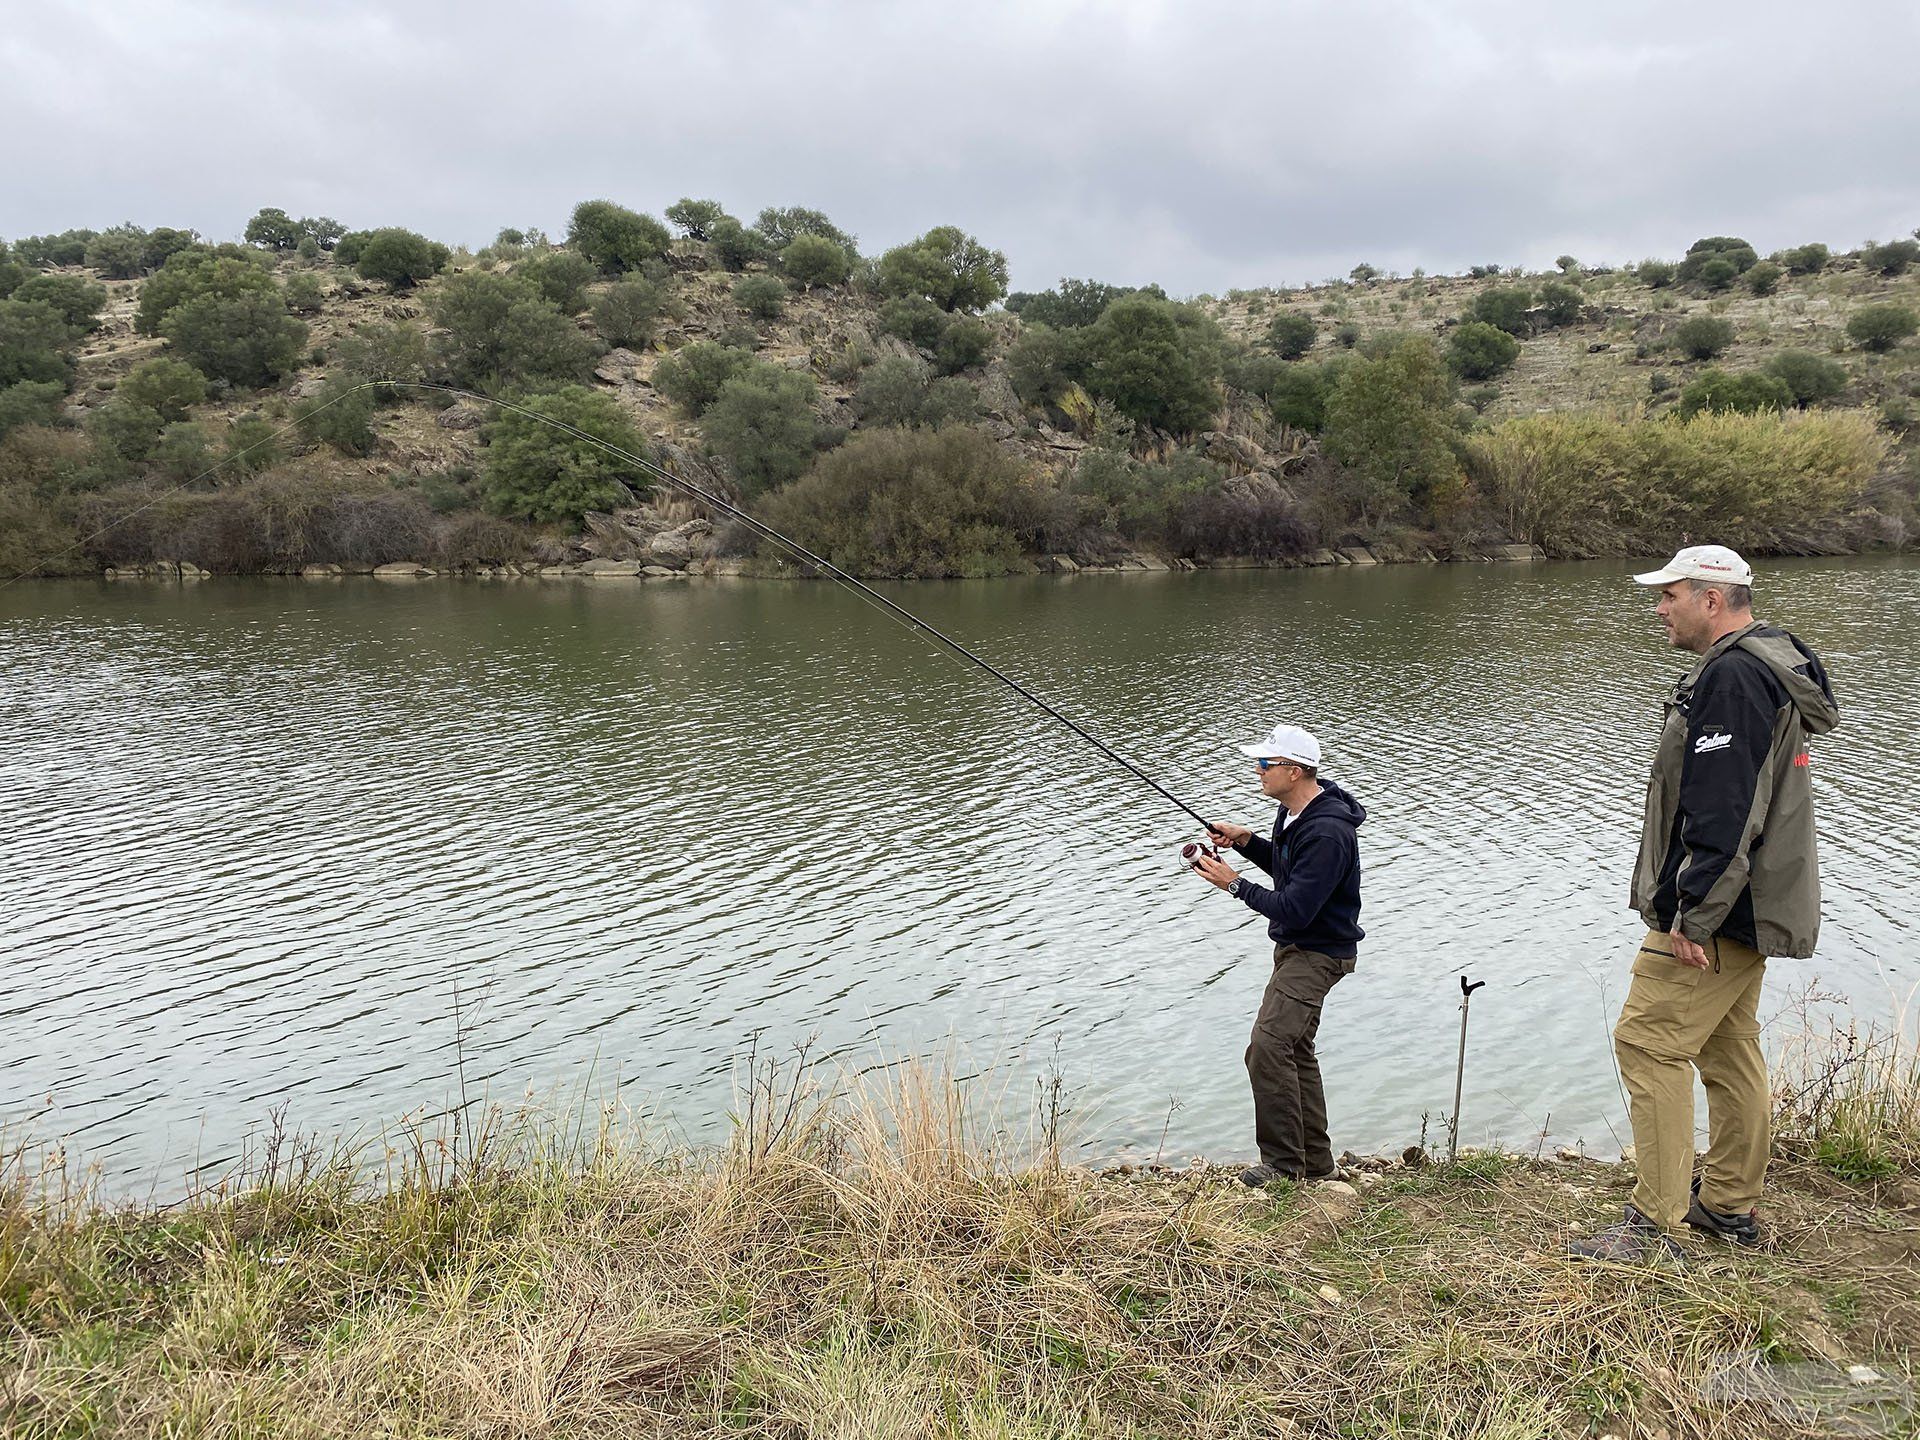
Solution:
(1311, 772)
(1738, 597)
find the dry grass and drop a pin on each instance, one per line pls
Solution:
(879, 1260)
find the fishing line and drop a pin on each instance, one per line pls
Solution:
(895, 612)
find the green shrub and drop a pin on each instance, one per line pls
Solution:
(323, 230)
(1042, 363)
(273, 229)
(166, 386)
(183, 452)
(1346, 334)
(735, 247)
(562, 277)
(947, 267)
(1069, 306)
(393, 352)
(128, 431)
(77, 302)
(1291, 334)
(1810, 378)
(1702, 337)
(1480, 397)
(119, 253)
(1479, 351)
(1577, 483)
(1298, 396)
(914, 319)
(615, 238)
(1746, 393)
(628, 311)
(912, 503)
(1730, 248)
(1505, 307)
(1363, 272)
(1718, 273)
(782, 227)
(304, 293)
(761, 296)
(500, 332)
(1804, 259)
(762, 422)
(341, 415)
(532, 471)
(226, 273)
(253, 445)
(346, 249)
(1567, 265)
(67, 248)
(692, 376)
(1881, 327)
(1561, 304)
(964, 342)
(30, 402)
(1892, 258)
(399, 257)
(1655, 274)
(695, 219)
(34, 343)
(12, 276)
(247, 339)
(1155, 364)
(164, 242)
(901, 392)
(811, 260)
(1390, 421)
(1764, 278)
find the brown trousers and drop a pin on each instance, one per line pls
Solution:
(1677, 1020)
(1289, 1105)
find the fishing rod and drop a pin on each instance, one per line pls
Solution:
(896, 612)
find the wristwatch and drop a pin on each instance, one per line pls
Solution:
(1235, 886)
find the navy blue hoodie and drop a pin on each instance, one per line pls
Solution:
(1315, 863)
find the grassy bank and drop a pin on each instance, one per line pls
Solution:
(882, 1261)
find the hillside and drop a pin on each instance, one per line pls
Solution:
(921, 427)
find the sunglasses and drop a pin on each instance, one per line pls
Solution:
(1269, 764)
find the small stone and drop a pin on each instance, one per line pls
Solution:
(1413, 1157)
(1331, 1295)
(460, 417)
(1863, 1375)
(662, 572)
(1339, 1189)
(611, 567)
(402, 570)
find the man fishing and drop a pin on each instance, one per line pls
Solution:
(1313, 915)
(1726, 876)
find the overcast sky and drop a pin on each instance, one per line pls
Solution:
(1196, 144)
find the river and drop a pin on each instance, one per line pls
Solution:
(263, 835)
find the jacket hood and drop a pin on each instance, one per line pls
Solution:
(1800, 671)
(1337, 804)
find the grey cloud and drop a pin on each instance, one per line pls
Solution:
(1202, 145)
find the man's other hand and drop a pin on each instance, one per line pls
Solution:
(1216, 872)
(1688, 953)
(1229, 834)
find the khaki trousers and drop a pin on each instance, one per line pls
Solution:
(1677, 1020)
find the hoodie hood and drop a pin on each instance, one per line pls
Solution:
(1799, 670)
(1336, 803)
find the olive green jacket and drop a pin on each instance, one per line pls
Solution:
(1727, 842)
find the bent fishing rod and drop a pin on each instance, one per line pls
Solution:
(896, 612)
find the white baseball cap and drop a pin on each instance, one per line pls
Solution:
(1715, 564)
(1284, 742)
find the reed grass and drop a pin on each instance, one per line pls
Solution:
(892, 1256)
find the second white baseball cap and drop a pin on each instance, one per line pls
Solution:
(1284, 742)
(1711, 563)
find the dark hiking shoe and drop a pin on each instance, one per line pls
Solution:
(1336, 1173)
(1256, 1176)
(1736, 1228)
(1636, 1240)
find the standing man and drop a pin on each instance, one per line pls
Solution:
(1313, 915)
(1726, 877)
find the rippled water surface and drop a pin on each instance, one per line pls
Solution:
(258, 833)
